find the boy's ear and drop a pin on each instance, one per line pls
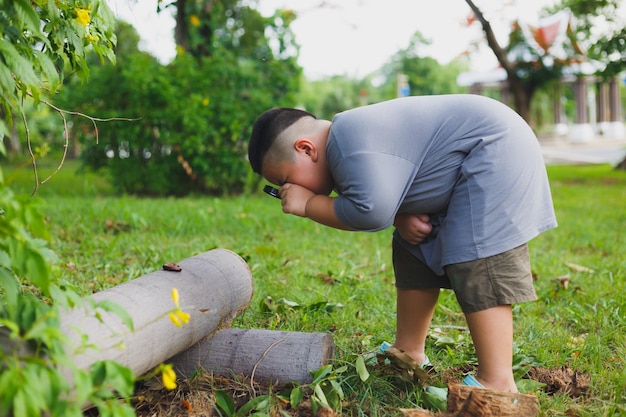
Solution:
(307, 147)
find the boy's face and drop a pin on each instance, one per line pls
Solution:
(304, 171)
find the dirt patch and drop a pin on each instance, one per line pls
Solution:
(197, 398)
(561, 381)
(557, 381)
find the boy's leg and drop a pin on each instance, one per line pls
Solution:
(415, 308)
(486, 289)
(417, 293)
(492, 333)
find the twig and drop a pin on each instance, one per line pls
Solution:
(259, 361)
(66, 136)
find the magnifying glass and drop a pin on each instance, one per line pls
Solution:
(271, 191)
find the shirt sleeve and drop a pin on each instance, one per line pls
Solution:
(372, 187)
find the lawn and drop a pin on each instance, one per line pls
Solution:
(576, 330)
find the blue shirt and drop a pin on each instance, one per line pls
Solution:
(470, 162)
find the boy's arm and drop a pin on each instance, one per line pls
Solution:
(321, 208)
(303, 202)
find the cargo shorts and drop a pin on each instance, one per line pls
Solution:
(501, 279)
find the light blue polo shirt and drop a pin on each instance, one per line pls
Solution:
(470, 162)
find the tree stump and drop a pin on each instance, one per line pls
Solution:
(265, 356)
(464, 401)
(481, 402)
(213, 287)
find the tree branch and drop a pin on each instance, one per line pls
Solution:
(491, 39)
(66, 135)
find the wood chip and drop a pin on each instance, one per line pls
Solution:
(172, 267)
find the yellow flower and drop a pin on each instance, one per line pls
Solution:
(184, 317)
(178, 316)
(174, 318)
(175, 296)
(205, 101)
(92, 38)
(194, 20)
(82, 16)
(168, 376)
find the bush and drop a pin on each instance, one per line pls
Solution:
(186, 124)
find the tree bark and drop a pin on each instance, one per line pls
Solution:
(480, 402)
(266, 356)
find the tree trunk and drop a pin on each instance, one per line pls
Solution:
(522, 97)
(181, 32)
(522, 94)
(213, 287)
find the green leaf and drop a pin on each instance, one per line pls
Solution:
(337, 389)
(112, 307)
(48, 69)
(225, 403)
(295, 397)
(37, 271)
(255, 404)
(321, 397)
(27, 14)
(436, 398)
(529, 386)
(289, 303)
(10, 284)
(7, 83)
(321, 373)
(20, 66)
(361, 369)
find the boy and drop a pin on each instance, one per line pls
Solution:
(462, 179)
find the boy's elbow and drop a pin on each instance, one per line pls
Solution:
(374, 220)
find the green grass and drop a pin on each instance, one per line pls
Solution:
(103, 240)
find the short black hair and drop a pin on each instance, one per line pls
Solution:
(267, 128)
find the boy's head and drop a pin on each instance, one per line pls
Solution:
(268, 135)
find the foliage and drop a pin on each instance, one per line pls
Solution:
(608, 46)
(191, 118)
(425, 75)
(41, 39)
(329, 96)
(40, 42)
(34, 358)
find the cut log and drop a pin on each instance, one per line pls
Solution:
(481, 402)
(213, 287)
(265, 356)
(415, 412)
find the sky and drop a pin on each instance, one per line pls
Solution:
(356, 37)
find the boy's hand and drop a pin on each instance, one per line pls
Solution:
(413, 227)
(294, 198)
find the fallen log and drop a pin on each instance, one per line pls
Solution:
(264, 356)
(213, 287)
(466, 401)
(482, 402)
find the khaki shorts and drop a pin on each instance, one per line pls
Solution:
(501, 279)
